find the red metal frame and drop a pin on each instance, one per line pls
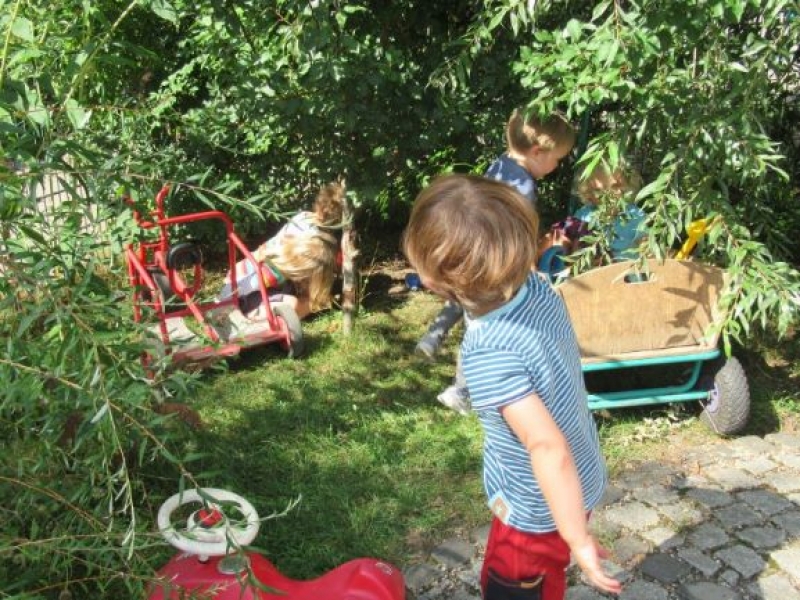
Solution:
(144, 256)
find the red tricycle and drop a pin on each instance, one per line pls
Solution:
(166, 279)
(211, 562)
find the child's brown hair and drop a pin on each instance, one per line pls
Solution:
(472, 240)
(329, 204)
(547, 133)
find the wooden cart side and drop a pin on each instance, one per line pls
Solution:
(670, 310)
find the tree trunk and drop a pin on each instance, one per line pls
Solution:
(350, 278)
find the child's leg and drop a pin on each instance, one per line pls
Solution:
(515, 557)
(456, 396)
(450, 314)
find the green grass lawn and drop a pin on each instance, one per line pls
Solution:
(354, 432)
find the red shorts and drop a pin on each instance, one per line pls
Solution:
(516, 555)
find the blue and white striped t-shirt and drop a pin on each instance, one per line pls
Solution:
(528, 346)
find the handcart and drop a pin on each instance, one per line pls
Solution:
(634, 316)
(166, 279)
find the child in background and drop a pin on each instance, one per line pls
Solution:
(473, 241)
(299, 262)
(535, 146)
(605, 194)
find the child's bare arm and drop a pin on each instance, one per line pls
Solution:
(554, 469)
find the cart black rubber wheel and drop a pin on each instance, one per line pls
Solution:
(296, 345)
(727, 408)
(162, 282)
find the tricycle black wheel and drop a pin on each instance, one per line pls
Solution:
(295, 345)
(727, 408)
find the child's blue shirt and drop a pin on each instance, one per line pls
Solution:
(528, 346)
(509, 171)
(626, 231)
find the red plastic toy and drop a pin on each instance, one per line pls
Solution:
(209, 562)
(166, 279)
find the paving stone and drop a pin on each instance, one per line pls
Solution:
(783, 482)
(470, 577)
(789, 521)
(751, 445)
(582, 592)
(774, 587)
(664, 568)
(630, 548)
(784, 440)
(460, 593)
(444, 590)
(645, 474)
(632, 515)
(692, 481)
(612, 495)
(663, 537)
(682, 513)
(453, 553)
(737, 515)
(710, 498)
(700, 561)
(638, 590)
(617, 571)
(656, 495)
(757, 465)
(742, 559)
(789, 460)
(705, 590)
(708, 537)
(421, 576)
(788, 559)
(729, 577)
(480, 535)
(762, 538)
(730, 478)
(764, 501)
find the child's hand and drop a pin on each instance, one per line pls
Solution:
(588, 556)
(560, 238)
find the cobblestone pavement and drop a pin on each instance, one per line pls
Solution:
(722, 522)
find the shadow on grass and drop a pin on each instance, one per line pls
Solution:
(354, 429)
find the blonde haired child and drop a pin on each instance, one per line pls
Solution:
(299, 262)
(473, 240)
(608, 210)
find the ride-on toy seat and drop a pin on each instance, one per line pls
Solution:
(659, 313)
(211, 563)
(166, 280)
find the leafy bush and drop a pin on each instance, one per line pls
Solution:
(251, 105)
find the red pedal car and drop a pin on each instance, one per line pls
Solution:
(166, 279)
(211, 564)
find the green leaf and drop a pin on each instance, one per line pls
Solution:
(613, 155)
(573, 29)
(600, 10)
(23, 29)
(165, 10)
(78, 116)
(737, 6)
